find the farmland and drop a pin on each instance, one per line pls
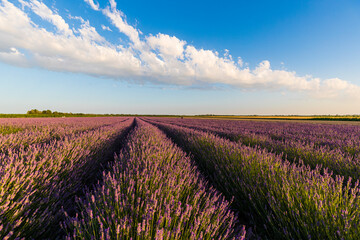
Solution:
(175, 178)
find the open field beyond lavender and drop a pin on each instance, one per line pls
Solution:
(174, 178)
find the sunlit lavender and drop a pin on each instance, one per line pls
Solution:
(281, 197)
(174, 178)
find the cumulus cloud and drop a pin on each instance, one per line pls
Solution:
(60, 51)
(167, 46)
(158, 58)
(14, 57)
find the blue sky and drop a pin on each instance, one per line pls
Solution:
(180, 57)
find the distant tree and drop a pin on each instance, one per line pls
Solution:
(33, 111)
(46, 112)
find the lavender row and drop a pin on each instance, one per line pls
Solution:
(335, 160)
(48, 122)
(344, 137)
(39, 131)
(11, 125)
(153, 192)
(285, 201)
(39, 179)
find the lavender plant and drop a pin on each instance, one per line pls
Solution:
(286, 201)
(153, 192)
(341, 156)
(43, 131)
(38, 179)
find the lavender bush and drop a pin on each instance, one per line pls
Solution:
(37, 179)
(338, 153)
(59, 179)
(286, 201)
(153, 192)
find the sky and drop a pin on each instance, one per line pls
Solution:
(180, 57)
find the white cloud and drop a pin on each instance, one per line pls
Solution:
(334, 87)
(14, 57)
(112, 5)
(93, 5)
(89, 33)
(240, 62)
(167, 46)
(47, 14)
(154, 58)
(106, 28)
(62, 52)
(117, 19)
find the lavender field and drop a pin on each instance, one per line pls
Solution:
(174, 178)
